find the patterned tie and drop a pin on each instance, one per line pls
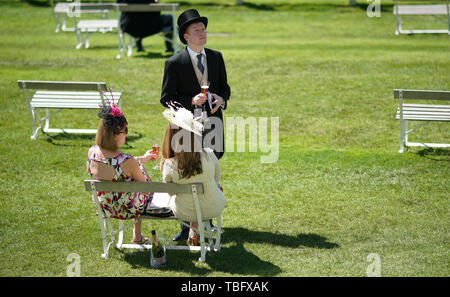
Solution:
(199, 64)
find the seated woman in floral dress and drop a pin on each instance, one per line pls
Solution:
(107, 162)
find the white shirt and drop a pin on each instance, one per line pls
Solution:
(212, 201)
(193, 54)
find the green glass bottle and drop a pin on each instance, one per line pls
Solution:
(157, 250)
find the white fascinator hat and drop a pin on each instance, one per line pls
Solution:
(183, 118)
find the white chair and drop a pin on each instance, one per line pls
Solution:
(94, 186)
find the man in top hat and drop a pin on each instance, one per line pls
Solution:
(184, 74)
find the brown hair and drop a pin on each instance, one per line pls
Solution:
(105, 136)
(189, 163)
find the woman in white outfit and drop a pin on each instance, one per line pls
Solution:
(189, 163)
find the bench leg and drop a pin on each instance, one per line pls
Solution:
(120, 240)
(131, 40)
(209, 235)
(201, 232)
(47, 120)
(406, 133)
(111, 233)
(33, 123)
(102, 222)
(119, 232)
(79, 39)
(120, 43)
(402, 136)
(57, 20)
(402, 144)
(63, 23)
(218, 232)
(86, 41)
(398, 25)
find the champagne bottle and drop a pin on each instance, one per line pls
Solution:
(157, 250)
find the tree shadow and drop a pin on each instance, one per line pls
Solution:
(233, 257)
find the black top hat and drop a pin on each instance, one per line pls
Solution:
(186, 18)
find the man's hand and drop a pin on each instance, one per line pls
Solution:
(218, 101)
(199, 99)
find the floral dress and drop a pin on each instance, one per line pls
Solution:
(120, 205)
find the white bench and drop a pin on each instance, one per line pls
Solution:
(94, 186)
(154, 7)
(84, 27)
(425, 9)
(62, 10)
(60, 95)
(420, 112)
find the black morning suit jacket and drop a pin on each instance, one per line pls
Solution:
(140, 24)
(180, 83)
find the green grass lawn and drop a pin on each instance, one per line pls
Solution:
(338, 192)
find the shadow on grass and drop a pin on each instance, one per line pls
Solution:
(41, 3)
(241, 235)
(276, 5)
(233, 257)
(153, 55)
(383, 7)
(281, 5)
(65, 139)
(147, 54)
(435, 154)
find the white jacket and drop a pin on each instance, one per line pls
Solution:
(212, 201)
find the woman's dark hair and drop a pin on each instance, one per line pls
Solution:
(113, 122)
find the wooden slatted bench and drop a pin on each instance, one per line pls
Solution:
(95, 186)
(425, 9)
(60, 95)
(420, 112)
